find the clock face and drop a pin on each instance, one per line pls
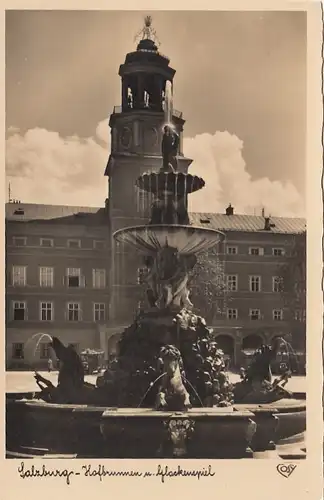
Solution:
(126, 137)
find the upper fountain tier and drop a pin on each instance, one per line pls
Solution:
(174, 183)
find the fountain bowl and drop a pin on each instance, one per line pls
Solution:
(177, 183)
(187, 239)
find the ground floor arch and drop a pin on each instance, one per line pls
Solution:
(252, 342)
(226, 343)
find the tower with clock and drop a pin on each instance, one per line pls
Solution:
(136, 136)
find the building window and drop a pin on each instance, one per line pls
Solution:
(19, 275)
(19, 241)
(141, 275)
(74, 243)
(300, 315)
(18, 350)
(276, 284)
(278, 252)
(232, 314)
(255, 314)
(74, 311)
(44, 351)
(231, 280)
(230, 250)
(74, 278)
(46, 276)
(46, 311)
(99, 244)
(255, 283)
(99, 278)
(277, 314)
(19, 311)
(99, 312)
(256, 251)
(46, 242)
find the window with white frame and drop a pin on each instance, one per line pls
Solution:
(46, 276)
(99, 244)
(141, 275)
(46, 311)
(232, 314)
(255, 314)
(300, 315)
(19, 311)
(278, 252)
(17, 350)
(46, 242)
(74, 278)
(19, 275)
(276, 284)
(231, 282)
(255, 283)
(74, 243)
(74, 311)
(45, 350)
(231, 250)
(277, 314)
(99, 278)
(256, 251)
(99, 312)
(19, 241)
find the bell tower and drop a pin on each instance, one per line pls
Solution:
(136, 139)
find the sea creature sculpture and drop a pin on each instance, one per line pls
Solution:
(172, 394)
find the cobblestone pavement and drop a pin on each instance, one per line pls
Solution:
(23, 381)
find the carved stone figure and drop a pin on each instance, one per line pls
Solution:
(260, 367)
(257, 384)
(168, 277)
(172, 394)
(179, 433)
(71, 386)
(170, 146)
(167, 210)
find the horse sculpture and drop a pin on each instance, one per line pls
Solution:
(257, 383)
(71, 387)
(172, 394)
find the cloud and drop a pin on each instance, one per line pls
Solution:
(44, 167)
(219, 160)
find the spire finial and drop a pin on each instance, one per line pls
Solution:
(147, 32)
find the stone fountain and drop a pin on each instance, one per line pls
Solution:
(168, 394)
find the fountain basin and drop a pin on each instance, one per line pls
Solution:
(277, 421)
(187, 239)
(99, 432)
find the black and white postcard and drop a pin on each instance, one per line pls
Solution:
(162, 250)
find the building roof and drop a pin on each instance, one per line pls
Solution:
(248, 223)
(82, 215)
(27, 212)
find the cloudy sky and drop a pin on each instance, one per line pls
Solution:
(240, 82)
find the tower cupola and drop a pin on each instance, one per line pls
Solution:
(145, 73)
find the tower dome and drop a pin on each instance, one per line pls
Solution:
(145, 73)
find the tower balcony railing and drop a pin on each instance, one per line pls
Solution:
(118, 109)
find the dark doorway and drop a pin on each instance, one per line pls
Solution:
(251, 342)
